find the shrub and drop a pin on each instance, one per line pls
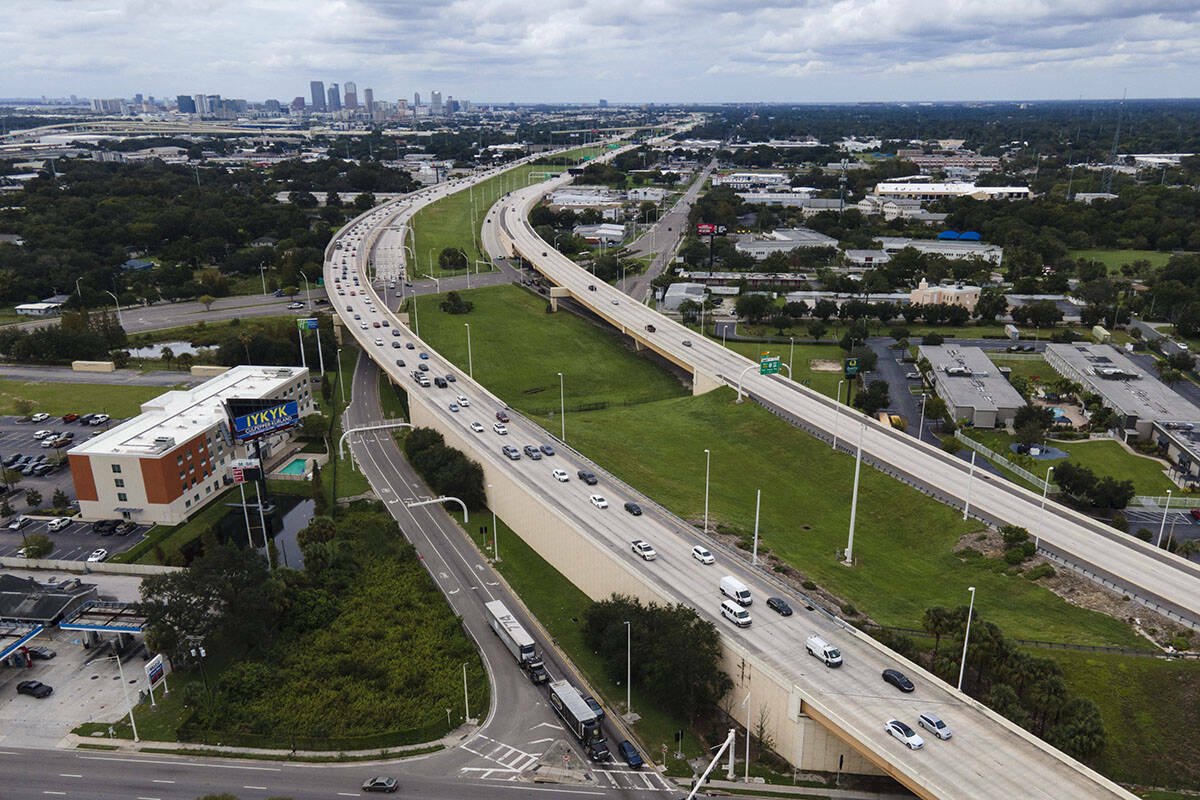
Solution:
(809, 585)
(1144, 534)
(849, 610)
(1040, 571)
(1014, 556)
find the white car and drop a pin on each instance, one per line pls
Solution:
(463, 401)
(500, 429)
(292, 306)
(41, 416)
(41, 434)
(561, 475)
(933, 723)
(598, 501)
(477, 427)
(644, 550)
(702, 555)
(58, 523)
(378, 342)
(904, 733)
(99, 554)
(362, 325)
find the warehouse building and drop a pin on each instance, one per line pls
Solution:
(783, 240)
(1141, 399)
(941, 191)
(973, 387)
(173, 458)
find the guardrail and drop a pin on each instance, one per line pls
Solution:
(1161, 502)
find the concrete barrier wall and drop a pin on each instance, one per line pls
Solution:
(106, 567)
(93, 366)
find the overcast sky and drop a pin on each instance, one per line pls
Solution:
(622, 50)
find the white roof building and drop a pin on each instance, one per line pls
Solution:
(939, 191)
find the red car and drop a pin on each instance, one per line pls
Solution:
(1196, 513)
(70, 417)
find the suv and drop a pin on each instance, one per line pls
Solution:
(587, 477)
(533, 453)
(105, 527)
(501, 416)
(513, 453)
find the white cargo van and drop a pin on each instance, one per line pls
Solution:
(823, 650)
(735, 613)
(735, 590)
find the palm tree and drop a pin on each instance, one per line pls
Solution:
(938, 622)
(1188, 548)
(167, 355)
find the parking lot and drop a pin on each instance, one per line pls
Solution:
(77, 540)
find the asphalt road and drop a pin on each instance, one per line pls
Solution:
(138, 319)
(132, 377)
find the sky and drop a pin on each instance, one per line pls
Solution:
(695, 51)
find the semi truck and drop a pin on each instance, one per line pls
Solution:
(517, 640)
(580, 719)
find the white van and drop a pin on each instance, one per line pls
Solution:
(735, 613)
(819, 648)
(735, 590)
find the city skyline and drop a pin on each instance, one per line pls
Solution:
(695, 52)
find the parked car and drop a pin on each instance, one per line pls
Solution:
(41, 416)
(126, 527)
(587, 477)
(380, 784)
(39, 435)
(1196, 513)
(104, 527)
(99, 419)
(87, 418)
(70, 417)
(99, 554)
(633, 508)
(898, 679)
(904, 733)
(12, 460)
(630, 754)
(39, 653)
(58, 523)
(779, 606)
(933, 723)
(702, 554)
(18, 523)
(643, 549)
(34, 689)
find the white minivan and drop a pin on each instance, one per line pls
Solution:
(735, 590)
(735, 613)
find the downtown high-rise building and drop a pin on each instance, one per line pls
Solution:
(435, 103)
(333, 99)
(318, 95)
(185, 104)
(369, 99)
(351, 95)
(416, 100)
(402, 108)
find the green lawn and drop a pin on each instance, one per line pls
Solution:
(1103, 457)
(801, 357)
(520, 361)
(448, 222)
(117, 400)
(1151, 710)
(1032, 369)
(1115, 259)
(207, 334)
(350, 482)
(559, 606)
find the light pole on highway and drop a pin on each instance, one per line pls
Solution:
(707, 462)
(1037, 537)
(1163, 524)
(628, 670)
(748, 706)
(118, 302)
(562, 407)
(307, 289)
(262, 273)
(791, 353)
(921, 427)
(970, 483)
(341, 382)
(757, 507)
(849, 561)
(495, 530)
(967, 635)
(837, 410)
(470, 363)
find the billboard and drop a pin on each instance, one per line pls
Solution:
(710, 229)
(155, 671)
(307, 323)
(244, 469)
(250, 419)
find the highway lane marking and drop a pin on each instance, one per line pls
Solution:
(262, 788)
(543, 741)
(161, 780)
(149, 798)
(348, 794)
(68, 775)
(47, 791)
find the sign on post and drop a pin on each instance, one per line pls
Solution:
(768, 364)
(709, 229)
(850, 367)
(155, 671)
(307, 323)
(250, 419)
(242, 469)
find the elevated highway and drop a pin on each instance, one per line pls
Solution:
(815, 715)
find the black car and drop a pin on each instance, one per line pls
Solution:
(439, 382)
(13, 459)
(104, 527)
(630, 754)
(451, 378)
(587, 477)
(898, 679)
(39, 653)
(34, 689)
(86, 418)
(634, 508)
(380, 784)
(779, 605)
(399, 362)
(410, 345)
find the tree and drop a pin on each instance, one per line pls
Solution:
(6, 510)
(33, 498)
(452, 258)
(291, 290)
(874, 399)
(1079, 731)
(167, 355)
(753, 306)
(1168, 374)
(1031, 423)
(817, 329)
(206, 300)
(824, 309)
(991, 304)
(364, 202)
(185, 361)
(59, 501)
(38, 545)
(781, 322)
(689, 311)
(937, 622)
(455, 304)
(12, 477)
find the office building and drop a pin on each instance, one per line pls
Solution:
(318, 95)
(402, 107)
(973, 387)
(174, 457)
(950, 248)
(435, 103)
(1123, 385)
(603, 103)
(369, 99)
(783, 240)
(351, 95)
(185, 104)
(939, 191)
(333, 99)
(955, 294)
(416, 101)
(297, 103)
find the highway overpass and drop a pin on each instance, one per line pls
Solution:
(988, 757)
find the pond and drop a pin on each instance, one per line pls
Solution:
(293, 521)
(155, 350)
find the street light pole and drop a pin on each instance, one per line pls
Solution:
(470, 363)
(125, 692)
(118, 302)
(1163, 524)
(562, 407)
(837, 411)
(854, 498)
(967, 635)
(341, 382)
(921, 427)
(791, 353)
(757, 506)
(628, 670)
(970, 483)
(307, 289)
(263, 275)
(707, 462)
(1037, 537)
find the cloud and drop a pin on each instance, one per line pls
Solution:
(570, 50)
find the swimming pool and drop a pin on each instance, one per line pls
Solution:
(298, 466)
(1058, 413)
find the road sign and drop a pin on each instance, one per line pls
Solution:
(154, 670)
(768, 364)
(850, 367)
(307, 323)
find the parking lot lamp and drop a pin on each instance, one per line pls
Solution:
(966, 635)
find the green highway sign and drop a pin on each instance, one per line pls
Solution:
(307, 324)
(768, 364)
